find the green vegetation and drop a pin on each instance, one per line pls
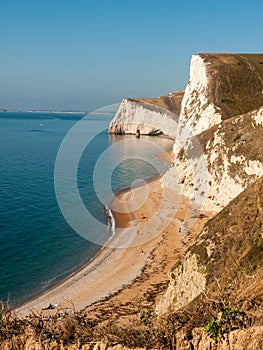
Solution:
(228, 319)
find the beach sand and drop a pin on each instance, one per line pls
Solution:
(157, 235)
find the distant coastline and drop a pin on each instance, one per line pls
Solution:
(42, 111)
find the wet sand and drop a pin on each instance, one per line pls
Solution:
(151, 237)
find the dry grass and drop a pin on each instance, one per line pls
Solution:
(236, 82)
(143, 330)
(171, 102)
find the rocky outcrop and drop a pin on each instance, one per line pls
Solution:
(151, 116)
(187, 280)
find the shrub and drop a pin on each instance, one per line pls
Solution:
(228, 319)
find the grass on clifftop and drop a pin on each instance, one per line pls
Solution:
(236, 82)
(171, 102)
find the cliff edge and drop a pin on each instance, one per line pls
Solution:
(152, 116)
(221, 86)
(217, 142)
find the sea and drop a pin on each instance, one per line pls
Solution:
(38, 246)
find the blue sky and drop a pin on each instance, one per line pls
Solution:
(82, 54)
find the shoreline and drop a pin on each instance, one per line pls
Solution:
(115, 268)
(165, 157)
(97, 259)
(134, 134)
(57, 294)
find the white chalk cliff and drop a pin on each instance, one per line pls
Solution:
(198, 112)
(214, 167)
(151, 116)
(221, 86)
(212, 162)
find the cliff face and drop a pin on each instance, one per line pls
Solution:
(216, 155)
(187, 281)
(152, 116)
(215, 166)
(221, 86)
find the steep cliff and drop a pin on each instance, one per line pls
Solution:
(221, 86)
(215, 166)
(157, 116)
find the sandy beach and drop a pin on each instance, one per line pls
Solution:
(151, 237)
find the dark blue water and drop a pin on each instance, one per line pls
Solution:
(38, 248)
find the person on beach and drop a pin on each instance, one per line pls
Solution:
(50, 307)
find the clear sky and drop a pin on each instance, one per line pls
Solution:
(85, 54)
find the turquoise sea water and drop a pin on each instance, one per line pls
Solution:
(38, 248)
